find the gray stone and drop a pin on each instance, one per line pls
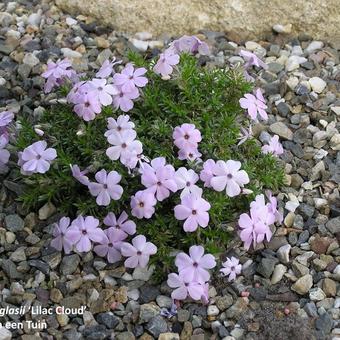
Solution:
(324, 323)
(333, 225)
(283, 109)
(108, 319)
(14, 223)
(10, 269)
(156, 326)
(266, 267)
(281, 130)
(69, 264)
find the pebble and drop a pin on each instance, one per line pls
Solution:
(46, 211)
(212, 310)
(278, 273)
(285, 29)
(303, 284)
(281, 130)
(14, 223)
(283, 253)
(317, 84)
(68, 53)
(317, 294)
(314, 46)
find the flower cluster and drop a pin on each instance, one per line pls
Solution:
(255, 226)
(193, 275)
(84, 234)
(90, 96)
(255, 105)
(57, 73)
(6, 117)
(186, 138)
(122, 136)
(170, 57)
(274, 146)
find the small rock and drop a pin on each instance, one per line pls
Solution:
(329, 287)
(30, 59)
(156, 326)
(266, 267)
(14, 223)
(68, 53)
(212, 310)
(69, 264)
(224, 302)
(285, 29)
(168, 336)
(317, 84)
(333, 225)
(324, 323)
(303, 284)
(46, 211)
(5, 334)
(278, 273)
(282, 130)
(140, 44)
(317, 294)
(313, 46)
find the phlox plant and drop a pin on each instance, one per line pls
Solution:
(151, 159)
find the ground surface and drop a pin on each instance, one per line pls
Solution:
(293, 282)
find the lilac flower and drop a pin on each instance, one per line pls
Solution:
(129, 78)
(143, 204)
(87, 106)
(194, 267)
(78, 91)
(36, 158)
(110, 246)
(253, 229)
(184, 287)
(60, 240)
(165, 63)
(83, 230)
(107, 68)
(20, 163)
(121, 124)
(123, 100)
(245, 135)
(5, 118)
(4, 154)
(193, 209)
(186, 180)
(138, 252)
(232, 268)
(79, 175)
(252, 60)
(57, 72)
(207, 173)
(274, 146)
(104, 91)
(186, 136)
(107, 187)
(189, 154)
(122, 225)
(228, 176)
(158, 178)
(124, 144)
(272, 206)
(190, 44)
(255, 105)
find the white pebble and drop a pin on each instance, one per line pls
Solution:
(71, 22)
(143, 35)
(282, 28)
(140, 44)
(313, 46)
(317, 84)
(68, 53)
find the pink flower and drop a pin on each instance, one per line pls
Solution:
(124, 144)
(158, 178)
(107, 187)
(56, 73)
(253, 229)
(107, 68)
(184, 287)
(20, 163)
(190, 44)
(60, 240)
(245, 135)
(79, 175)
(138, 252)
(254, 105)
(121, 124)
(252, 60)
(78, 91)
(87, 106)
(129, 78)
(5, 118)
(83, 230)
(272, 207)
(207, 172)
(194, 267)
(186, 180)
(110, 245)
(186, 136)
(274, 147)
(193, 209)
(232, 268)
(189, 154)
(228, 176)
(123, 99)
(143, 204)
(4, 154)
(122, 225)
(104, 91)
(36, 158)
(165, 63)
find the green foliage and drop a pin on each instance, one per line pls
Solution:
(207, 98)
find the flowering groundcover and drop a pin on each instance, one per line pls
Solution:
(151, 159)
